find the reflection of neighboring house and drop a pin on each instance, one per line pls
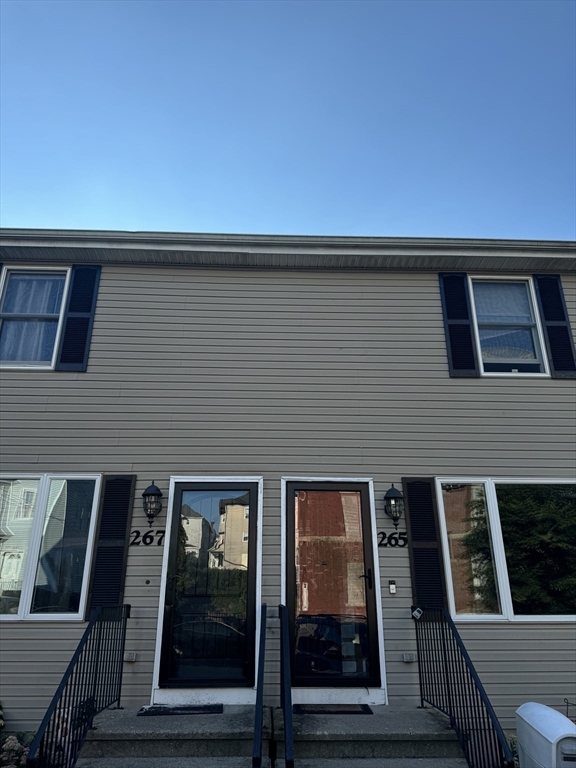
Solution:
(200, 534)
(459, 497)
(231, 547)
(17, 501)
(330, 555)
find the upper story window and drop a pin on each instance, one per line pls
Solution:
(507, 327)
(46, 317)
(511, 326)
(30, 316)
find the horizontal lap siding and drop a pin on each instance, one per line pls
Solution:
(529, 662)
(196, 371)
(33, 659)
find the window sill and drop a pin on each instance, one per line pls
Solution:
(514, 619)
(512, 375)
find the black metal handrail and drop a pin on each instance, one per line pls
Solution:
(259, 713)
(450, 683)
(286, 687)
(92, 682)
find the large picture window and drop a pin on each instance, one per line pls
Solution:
(45, 553)
(509, 547)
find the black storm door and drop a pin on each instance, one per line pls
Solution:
(331, 585)
(209, 619)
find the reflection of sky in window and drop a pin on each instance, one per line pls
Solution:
(207, 503)
(502, 303)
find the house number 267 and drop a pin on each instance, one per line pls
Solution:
(149, 538)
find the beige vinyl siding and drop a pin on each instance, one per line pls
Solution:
(250, 372)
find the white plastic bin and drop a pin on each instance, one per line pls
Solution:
(546, 738)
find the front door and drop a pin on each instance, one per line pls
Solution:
(331, 585)
(209, 617)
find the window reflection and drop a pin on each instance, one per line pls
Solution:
(539, 531)
(470, 549)
(58, 585)
(211, 586)
(331, 613)
(17, 505)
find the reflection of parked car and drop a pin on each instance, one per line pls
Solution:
(209, 636)
(331, 645)
(9, 603)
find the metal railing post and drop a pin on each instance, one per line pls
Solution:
(286, 687)
(259, 712)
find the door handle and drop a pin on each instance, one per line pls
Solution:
(368, 577)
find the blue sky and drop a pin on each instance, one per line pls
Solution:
(432, 118)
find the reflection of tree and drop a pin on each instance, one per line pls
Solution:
(539, 532)
(182, 576)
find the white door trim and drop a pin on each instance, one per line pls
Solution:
(340, 695)
(186, 696)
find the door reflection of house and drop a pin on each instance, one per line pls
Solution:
(329, 551)
(200, 534)
(231, 547)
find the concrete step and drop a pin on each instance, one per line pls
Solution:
(390, 732)
(168, 762)
(246, 762)
(121, 733)
(381, 762)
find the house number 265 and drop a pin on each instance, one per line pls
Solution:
(394, 539)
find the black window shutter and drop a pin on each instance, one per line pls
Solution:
(109, 566)
(462, 359)
(556, 324)
(428, 584)
(78, 319)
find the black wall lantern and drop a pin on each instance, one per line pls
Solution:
(394, 504)
(151, 502)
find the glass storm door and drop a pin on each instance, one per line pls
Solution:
(209, 620)
(330, 585)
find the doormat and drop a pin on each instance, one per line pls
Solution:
(156, 709)
(332, 709)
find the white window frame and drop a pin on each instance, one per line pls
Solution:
(543, 360)
(35, 542)
(500, 566)
(19, 365)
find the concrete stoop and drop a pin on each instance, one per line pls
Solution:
(391, 732)
(121, 733)
(392, 737)
(246, 762)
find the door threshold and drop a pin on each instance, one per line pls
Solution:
(325, 696)
(182, 697)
